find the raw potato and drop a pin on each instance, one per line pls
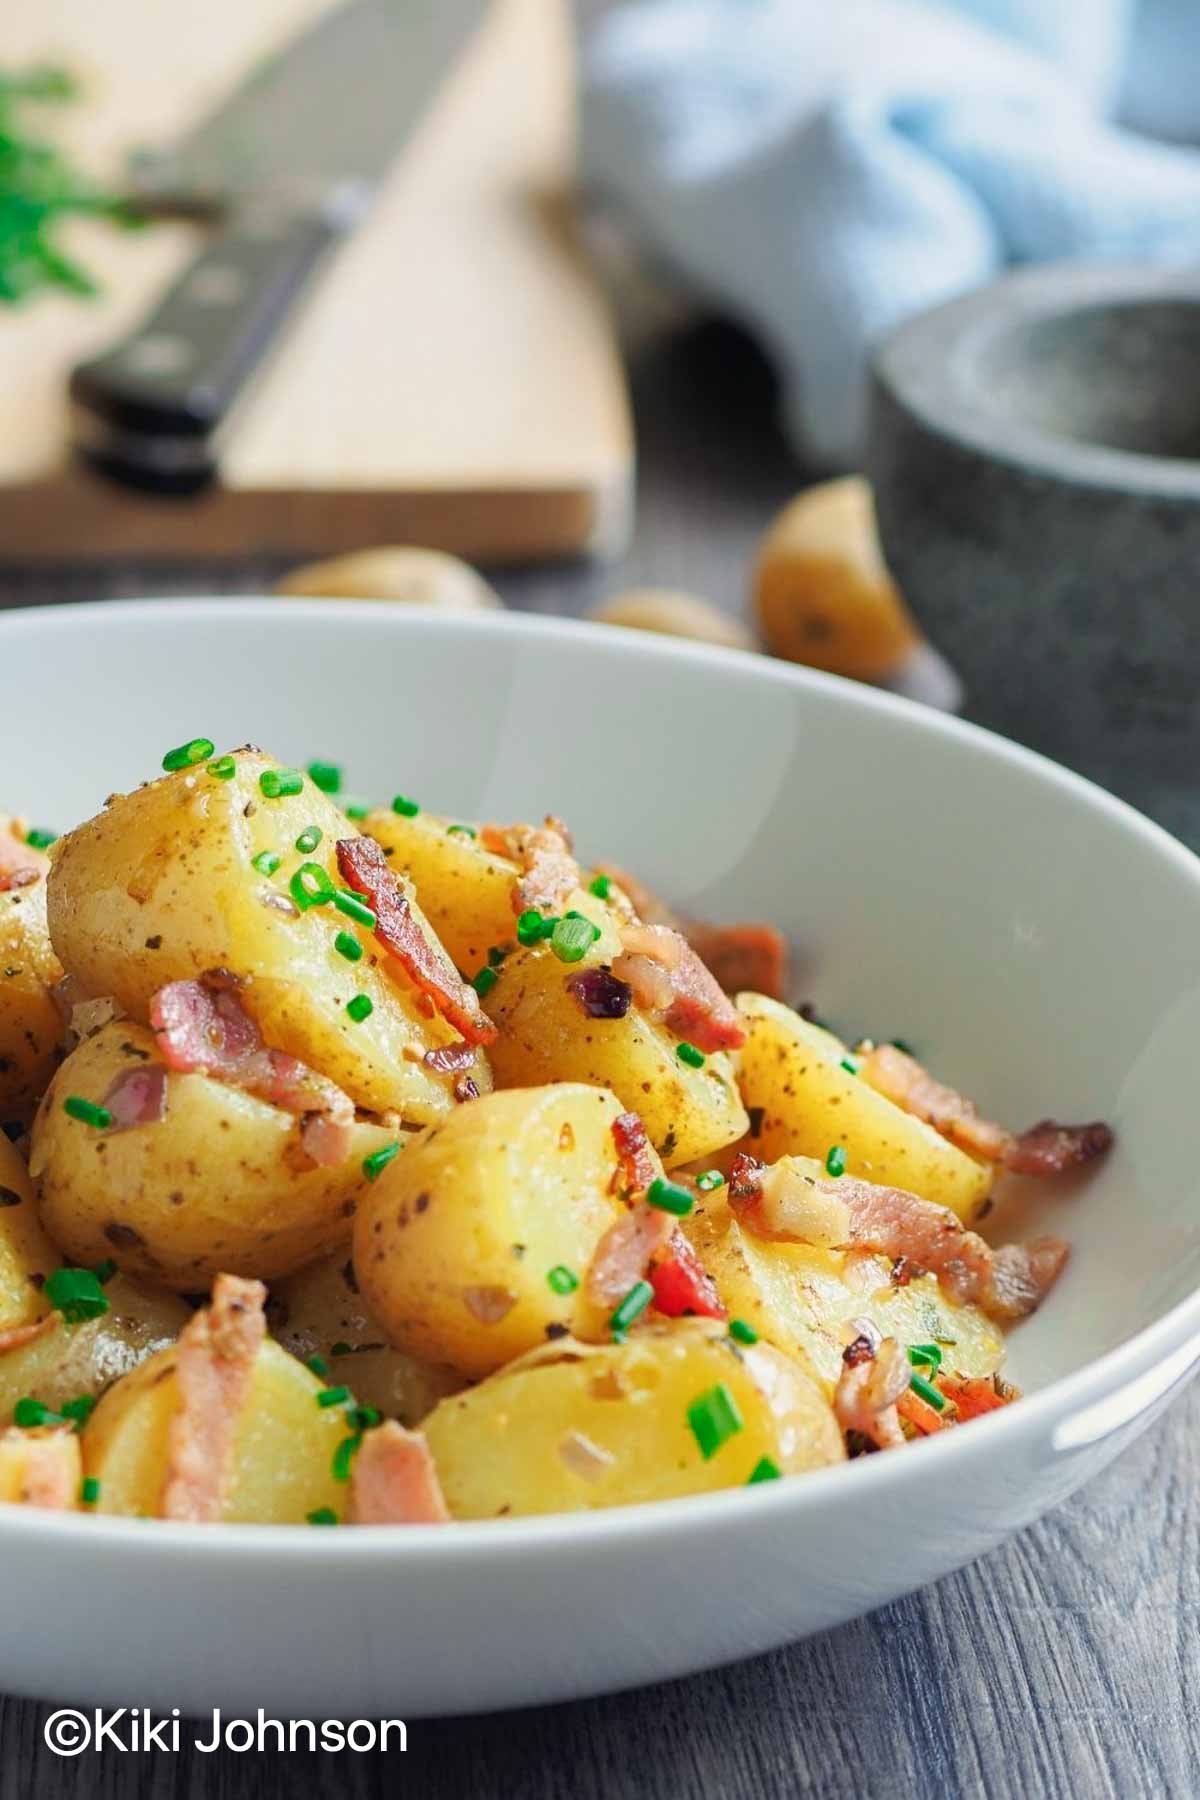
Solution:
(453, 1244)
(18, 1466)
(27, 1257)
(160, 887)
(465, 891)
(794, 1073)
(821, 588)
(321, 1307)
(579, 1426)
(545, 1035)
(395, 572)
(31, 1026)
(675, 614)
(219, 1183)
(70, 1360)
(283, 1455)
(802, 1299)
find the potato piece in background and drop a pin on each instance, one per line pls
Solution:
(70, 1360)
(821, 588)
(800, 1088)
(463, 1246)
(220, 1182)
(675, 614)
(27, 1257)
(576, 1426)
(161, 886)
(283, 1455)
(31, 1026)
(397, 572)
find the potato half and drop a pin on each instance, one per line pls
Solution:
(27, 1257)
(578, 1426)
(66, 1361)
(31, 1026)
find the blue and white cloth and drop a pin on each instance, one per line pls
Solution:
(821, 169)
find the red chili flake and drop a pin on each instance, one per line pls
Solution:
(745, 1177)
(861, 1350)
(637, 1168)
(682, 1285)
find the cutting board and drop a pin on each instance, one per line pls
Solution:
(452, 378)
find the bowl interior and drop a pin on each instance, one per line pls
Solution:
(1037, 942)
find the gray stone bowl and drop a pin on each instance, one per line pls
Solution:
(1035, 452)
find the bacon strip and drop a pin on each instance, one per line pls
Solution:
(624, 1253)
(364, 867)
(973, 1397)
(697, 1009)
(138, 1096)
(544, 854)
(20, 865)
(682, 1286)
(1049, 1148)
(217, 1352)
(202, 1028)
(51, 1467)
(873, 1376)
(637, 1168)
(1006, 1283)
(921, 1416)
(394, 1480)
(744, 957)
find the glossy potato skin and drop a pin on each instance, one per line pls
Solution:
(545, 1035)
(498, 1447)
(283, 1456)
(219, 1183)
(515, 1185)
(794, 1073)
(160, 887)
(802, 1298)
(31, 1026)
(27, 1256)
(70, 1360)
(464, 890)
(320, 1307)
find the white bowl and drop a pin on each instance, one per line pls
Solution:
(1035, 938)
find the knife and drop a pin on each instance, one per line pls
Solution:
(288, 165)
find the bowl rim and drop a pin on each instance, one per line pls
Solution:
(953, 1454)
(926, 367)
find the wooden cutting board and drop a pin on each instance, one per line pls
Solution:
(452, 378)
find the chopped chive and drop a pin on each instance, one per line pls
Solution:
(76, 1294)
(711, 1178)
(344, 1455)
(529, 927)
(928, 1392)
(266, 862)
(902, 1044)
(360, 1008)
(461, 831)
(850, 1066)
(926, 1354)
(357, 810)
(87, 1112)
(354, 908)
(310, 886)
(688, 1053)
(572, 938)
(89, 1490)
(561, 1280)
(741, 1332)
(764, 1470)
(835, 1161)
(333, 1396)
(632, 1306)
(377, 1162)
(37, 839)
(198, 750)
(105, 1271)
(326, 776)
(319, 1366)
(362, 1418)
(348, 946)
(30, 1413)
(224, 769)
(546, 927)
(485, 980)
(281, 784)
(342, 1348)
(79, 1411)
(714, 1418)
(408, 809)
(668, 1197)
(322, 1515)
(601, 886)
(308, 840)
(497, 954)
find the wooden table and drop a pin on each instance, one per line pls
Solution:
(1065, 1664)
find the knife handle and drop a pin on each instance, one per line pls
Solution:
(149, 410)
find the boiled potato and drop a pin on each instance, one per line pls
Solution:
(66, 1361)
(822, 590)
(219, 1183)
(455, 1243)
(161, 887)
(283, 1455)
(395, 572)
(675, 614)
(27, 1257)
(320, 1312)
(577, 1426)
(545, 1035)
(31, 1026)
(465, 891)
(802, 1298)
(799, 1085)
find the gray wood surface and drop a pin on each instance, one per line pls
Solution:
(1065, 1664)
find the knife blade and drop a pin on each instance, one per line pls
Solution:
(289, 163)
